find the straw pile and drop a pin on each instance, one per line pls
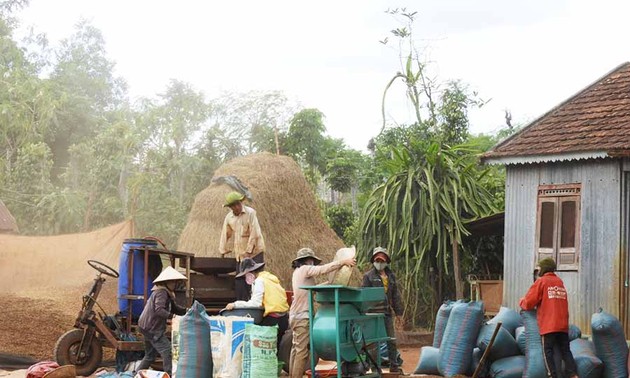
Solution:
(286, 206)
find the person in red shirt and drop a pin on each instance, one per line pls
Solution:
(549, 296)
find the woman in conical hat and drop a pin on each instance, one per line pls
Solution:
(152, 323)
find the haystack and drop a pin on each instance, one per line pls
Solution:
(286, 206)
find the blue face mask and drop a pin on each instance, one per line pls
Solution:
(379, 265)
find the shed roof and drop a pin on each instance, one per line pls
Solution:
(7, 222)
(595, 122)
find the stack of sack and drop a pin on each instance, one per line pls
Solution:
(222, 346)
(461, 337)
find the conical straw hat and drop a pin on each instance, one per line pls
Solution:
(169, 274)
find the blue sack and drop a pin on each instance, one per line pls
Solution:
(195, 355)
(460, 337)
(610, 344)
(509, 318)
(441, 319)
(504, 344)
(510, 367)
(588, 364)
(428, 361)
(519, 335)
(534, 362)
(574, 332)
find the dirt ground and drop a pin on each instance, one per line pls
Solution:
(409, 355)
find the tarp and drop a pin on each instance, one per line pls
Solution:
(28, 262)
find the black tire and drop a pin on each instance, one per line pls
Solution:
(66, 352)
(284, 351)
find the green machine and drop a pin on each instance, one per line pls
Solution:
(342, 328)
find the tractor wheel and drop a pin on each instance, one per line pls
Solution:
(67, 352)
(284, 351)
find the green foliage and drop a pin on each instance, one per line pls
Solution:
(305, 139)
(343, 169)
(339, 218)
(421, 210)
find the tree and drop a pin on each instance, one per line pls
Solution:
(342, 171)
(306, 142)
(420, 212)
(432, 185)
(83, 81)
(255, 120)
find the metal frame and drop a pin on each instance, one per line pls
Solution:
(338, 320)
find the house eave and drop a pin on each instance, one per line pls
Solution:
(535, 159)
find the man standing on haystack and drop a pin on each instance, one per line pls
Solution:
(241, 234)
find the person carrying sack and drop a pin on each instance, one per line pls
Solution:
(305, 269)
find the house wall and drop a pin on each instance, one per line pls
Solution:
(597, 283)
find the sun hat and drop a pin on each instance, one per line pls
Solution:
(249, 265)
(304, 253)
(380, 250)
(169, 274)
(233, 197)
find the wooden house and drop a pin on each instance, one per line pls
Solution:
(567, 197)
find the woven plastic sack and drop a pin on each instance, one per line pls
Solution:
(227, 334)
(509, 318)
(195, 355)
(476, 359)
(343, 275)
(610, 344)
(510, 367)
(519, 335)
(574, 332)
(428, 361)
(459, 338)
(534, 362)
(588, 364)
(504, 344)
(441, 319)
(259, 352)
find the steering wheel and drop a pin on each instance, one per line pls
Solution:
(102, 268)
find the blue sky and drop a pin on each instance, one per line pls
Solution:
(523, 56)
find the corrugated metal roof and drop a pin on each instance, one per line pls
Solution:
(596, 119)
(7, 222)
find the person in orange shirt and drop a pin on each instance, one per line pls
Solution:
(549, 296)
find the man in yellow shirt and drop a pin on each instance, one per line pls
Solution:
(241, 234)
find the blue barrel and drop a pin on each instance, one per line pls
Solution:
(137, 285)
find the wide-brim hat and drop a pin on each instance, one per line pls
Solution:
(380, 250)
(305, 253)
(232, 198)
(169, 274)
(249, 265)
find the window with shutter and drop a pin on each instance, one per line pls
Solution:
(558, 224)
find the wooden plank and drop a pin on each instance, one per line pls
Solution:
(213, 265)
